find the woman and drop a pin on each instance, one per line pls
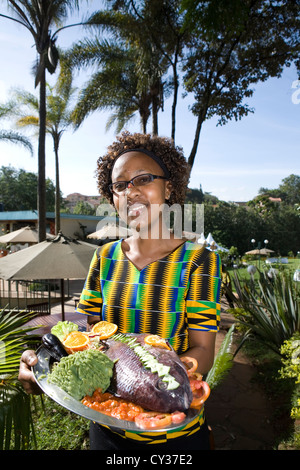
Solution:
(152, 282)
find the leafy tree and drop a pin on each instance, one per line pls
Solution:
(290, 187)
(288, 190)
(282, 229)
(18, 190)
(84, 208)
(231, 225)
(263, 205)
(39, 17)
(232, 46)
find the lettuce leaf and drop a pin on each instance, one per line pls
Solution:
(63, 328)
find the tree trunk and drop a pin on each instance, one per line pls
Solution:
(41, 196)
(154, 115)
(174, 104)
(192, 156)
(57, 191)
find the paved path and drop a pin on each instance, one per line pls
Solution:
(237, 410)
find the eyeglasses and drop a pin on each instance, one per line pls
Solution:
(141, 180)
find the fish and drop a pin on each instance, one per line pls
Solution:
(152, 377)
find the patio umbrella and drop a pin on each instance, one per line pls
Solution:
(210, 240)
(263, 251)
(23, 235)
(192, 236)
(202, 240)
(111, 231)
(59, 258)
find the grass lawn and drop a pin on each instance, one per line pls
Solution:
(292, 265)
(57, 428)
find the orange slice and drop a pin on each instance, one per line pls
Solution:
(104, 329)
(76, 341)
(156, 341)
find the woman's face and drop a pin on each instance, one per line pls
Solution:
(140, 206)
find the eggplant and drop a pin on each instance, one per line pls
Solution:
(54, 346)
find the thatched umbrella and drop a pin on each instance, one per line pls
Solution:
(60, 258)
(263, 251)
(111, 231)
(22, 235)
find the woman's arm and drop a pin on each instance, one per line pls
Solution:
(202, 348)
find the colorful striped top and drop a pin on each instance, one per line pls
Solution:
(167, 297)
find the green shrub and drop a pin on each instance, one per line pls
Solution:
(268, 308)
(290, 351)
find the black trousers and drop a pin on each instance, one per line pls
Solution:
(103, 439)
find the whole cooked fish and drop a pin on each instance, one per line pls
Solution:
(152, 377)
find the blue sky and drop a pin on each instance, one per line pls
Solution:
(232, 162)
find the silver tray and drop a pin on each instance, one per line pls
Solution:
(41, 371)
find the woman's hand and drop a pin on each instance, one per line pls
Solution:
(26, 376)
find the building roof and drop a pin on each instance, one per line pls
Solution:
(33, 215)
(19, 215)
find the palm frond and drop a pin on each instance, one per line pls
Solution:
(26, 121)
(223, 361)
(16, 138)
(15, 410)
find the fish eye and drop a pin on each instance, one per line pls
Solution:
(160, 385)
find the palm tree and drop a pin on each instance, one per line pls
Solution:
(148, 64)
(114, 85)
(130, 67)
(162, 33)
(10, 136)
(38, 17)
(15, 410)
(58, 120)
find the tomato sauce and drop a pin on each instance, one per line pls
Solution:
(123, 409)
(113, 406)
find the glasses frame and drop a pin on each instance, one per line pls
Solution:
(154, 177)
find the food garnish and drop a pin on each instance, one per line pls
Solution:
(63, 328)
(104, 329)
(200, 389)
(76, 341)
(157, 341)
(54, 346)
(81, 373)
(123, 409)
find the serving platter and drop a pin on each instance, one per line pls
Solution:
(43, 368)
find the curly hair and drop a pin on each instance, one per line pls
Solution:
(163, 147)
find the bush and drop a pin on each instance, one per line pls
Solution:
(268, 308)
(291, 369)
